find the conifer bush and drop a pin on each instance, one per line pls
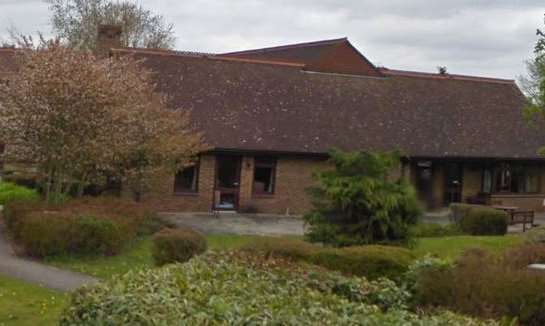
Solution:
(359, 201)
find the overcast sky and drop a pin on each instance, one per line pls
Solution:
(480, 37)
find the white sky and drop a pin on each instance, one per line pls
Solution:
(479, 37)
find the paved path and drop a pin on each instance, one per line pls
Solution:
(34, 272)
(233, 223)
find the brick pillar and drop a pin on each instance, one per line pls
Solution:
(207, 176)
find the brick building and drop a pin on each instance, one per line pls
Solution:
(271, 115)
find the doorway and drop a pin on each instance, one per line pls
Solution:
(227, 184)
(424, 184)
(453, 183)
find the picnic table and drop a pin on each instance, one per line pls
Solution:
(517, 216)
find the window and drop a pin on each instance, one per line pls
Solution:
(513, 179)
(186, 180)
(264, 175)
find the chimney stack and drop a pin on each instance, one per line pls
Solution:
(108, 37)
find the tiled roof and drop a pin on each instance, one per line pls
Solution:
(251, 104)
(247, 105)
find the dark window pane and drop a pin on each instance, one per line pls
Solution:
(186, 180)
(264, 175)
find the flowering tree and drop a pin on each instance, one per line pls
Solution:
(81, 119)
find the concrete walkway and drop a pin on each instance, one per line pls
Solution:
(34, 272)
(242, 224)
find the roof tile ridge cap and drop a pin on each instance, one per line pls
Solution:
(419, 74)
(286, 46)
(257, 61)
(173, 53)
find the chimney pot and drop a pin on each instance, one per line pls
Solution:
(108, 37)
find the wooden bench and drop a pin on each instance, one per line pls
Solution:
(517, 216)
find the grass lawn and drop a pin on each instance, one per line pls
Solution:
(137, 257)
(450, 247)
(25, 304)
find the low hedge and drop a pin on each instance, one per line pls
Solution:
(53, 233)
(177, 245)
(10, 192)
(485, 221)
(485, 285)
(87, 226)
(372, 261)
(215, 290)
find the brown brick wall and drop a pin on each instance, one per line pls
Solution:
(293, 177)
(344, 59)
(164, 198)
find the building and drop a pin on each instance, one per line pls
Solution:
(271, 115)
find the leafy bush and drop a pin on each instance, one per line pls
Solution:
(535, 235)
(484, 285)
(525, 255)
(433, 230)
(270, 247)
(459, 210)
(52, 233)
(177, 245)
(485, 221)
(372, 261)
(358, 202)
(215, 290)
(80, 227)
(422, 282)
(11, 192)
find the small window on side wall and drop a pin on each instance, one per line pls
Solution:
(264, 175)
(186, 180)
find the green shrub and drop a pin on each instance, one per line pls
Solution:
(485, 285)
(214, 290)
(525, 255)
(270, 247)
(87, 226)
(535, 235)
(371, 261)
(426, 278)
(485, 221)
(433, 230)
(359, 202)
(177, 245)
(15, 212)
(11, 192)
(53, 233)
(459, 210)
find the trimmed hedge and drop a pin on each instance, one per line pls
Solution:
(485, 221)
(88, 226)
(372, 261)
(10, 192)
(53, 233)
(177, 245)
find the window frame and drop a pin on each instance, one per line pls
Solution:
(186, 191)
(496, 171)
(272, 164)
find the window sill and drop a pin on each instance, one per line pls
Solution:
(258, 196)
(186, 194)
(515, 195)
